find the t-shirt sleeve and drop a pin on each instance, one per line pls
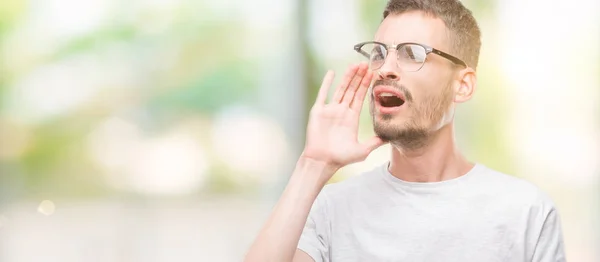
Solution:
(315, 235)
(549, 246)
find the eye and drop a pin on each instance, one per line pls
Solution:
(378, 52)
(412, 53)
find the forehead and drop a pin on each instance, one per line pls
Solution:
(414, 26)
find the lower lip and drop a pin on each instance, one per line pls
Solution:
(389, 110)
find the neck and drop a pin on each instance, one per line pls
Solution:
(437, 160)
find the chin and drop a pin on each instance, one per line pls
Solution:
(404, 135)
(389, 126)
(401, 131)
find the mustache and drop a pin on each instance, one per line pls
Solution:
(401, 88)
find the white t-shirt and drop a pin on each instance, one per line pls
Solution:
(482, 216)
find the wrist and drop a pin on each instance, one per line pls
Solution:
(317, 163)
(316, 170)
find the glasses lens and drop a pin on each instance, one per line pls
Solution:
(411, 57)
(377, 54)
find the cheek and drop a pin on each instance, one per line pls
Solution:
(422, 91)
(428, 87)
(433, 102)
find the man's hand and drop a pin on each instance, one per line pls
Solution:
(331, 143)
(332, 132)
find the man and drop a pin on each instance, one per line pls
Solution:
(428, 203)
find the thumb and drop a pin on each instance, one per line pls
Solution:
(372, 144)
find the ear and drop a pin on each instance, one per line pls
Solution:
(467, 83)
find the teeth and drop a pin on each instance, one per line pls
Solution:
(386, 94)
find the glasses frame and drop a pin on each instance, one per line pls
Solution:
(428, 49)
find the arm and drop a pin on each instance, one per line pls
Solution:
(279, 238)
(549, 246)
(331, 143)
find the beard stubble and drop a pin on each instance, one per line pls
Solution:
(424, 118)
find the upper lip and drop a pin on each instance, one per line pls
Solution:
(378, 90)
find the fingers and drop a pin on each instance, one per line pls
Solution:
(324, 90)
(339, 92)
(359, 97)
(355, 84)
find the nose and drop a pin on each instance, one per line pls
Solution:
(388, 74)
(389, 69)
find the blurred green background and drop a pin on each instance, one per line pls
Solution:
(161, 130)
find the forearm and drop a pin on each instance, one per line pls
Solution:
(279, 237)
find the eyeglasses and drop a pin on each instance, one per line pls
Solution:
(411, 56)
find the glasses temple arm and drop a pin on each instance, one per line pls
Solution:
(362, 52)
(449, 57)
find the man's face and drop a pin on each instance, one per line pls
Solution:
(427, 93)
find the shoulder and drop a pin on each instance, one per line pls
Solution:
(531, 212)
(514, 189)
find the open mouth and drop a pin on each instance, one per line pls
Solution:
(388, 97)
(390, 100)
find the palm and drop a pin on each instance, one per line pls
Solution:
(332, 132)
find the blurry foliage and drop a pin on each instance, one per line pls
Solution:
(371, 13)
(205, 74)
(210, 91)
(95, 40)
(10, 12)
